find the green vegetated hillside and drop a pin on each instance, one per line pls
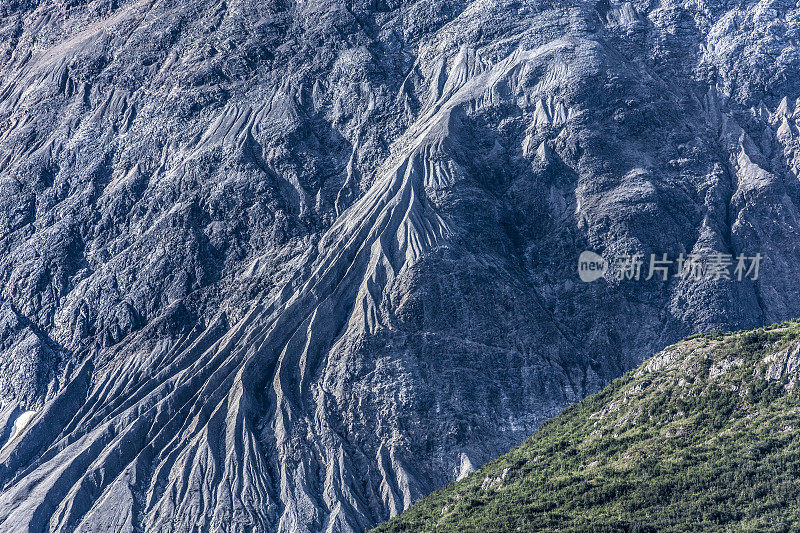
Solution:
(704, 436)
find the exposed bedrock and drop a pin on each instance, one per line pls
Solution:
(277, 266)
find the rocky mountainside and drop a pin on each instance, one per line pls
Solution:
(292, 265)
(704, 436)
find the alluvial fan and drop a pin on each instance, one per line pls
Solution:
(290, 266)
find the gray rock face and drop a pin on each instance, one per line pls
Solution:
(289, 266)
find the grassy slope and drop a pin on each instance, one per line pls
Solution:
(696, 439)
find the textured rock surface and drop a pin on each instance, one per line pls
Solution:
(290, 266)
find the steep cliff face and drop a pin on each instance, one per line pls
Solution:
(291, 266)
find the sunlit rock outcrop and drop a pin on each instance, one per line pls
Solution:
(290, 266)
